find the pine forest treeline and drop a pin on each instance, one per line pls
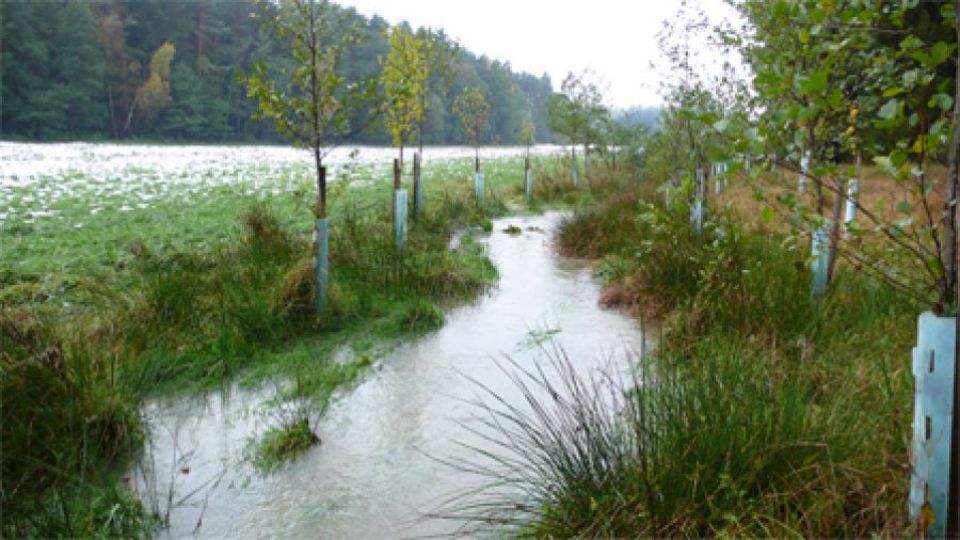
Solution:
(161, 70)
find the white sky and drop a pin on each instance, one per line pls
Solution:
(616, 39)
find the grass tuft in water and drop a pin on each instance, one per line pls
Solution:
(761, 413)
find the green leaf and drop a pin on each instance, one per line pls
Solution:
(816, 82)
(893, 91)
(904, 207)
(910, 77)
(943, 101)
(886, 164)
(940, 52)
(890, 109)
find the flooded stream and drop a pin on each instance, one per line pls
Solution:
(377, 471)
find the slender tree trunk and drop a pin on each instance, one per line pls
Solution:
(949, 293)
(838, 204)
(821, 202)
(705, 187)
(953, 517)
(422, 126)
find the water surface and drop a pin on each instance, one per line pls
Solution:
(378, 470)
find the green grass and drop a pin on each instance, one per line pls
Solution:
(761, 413)
(209, 281)
(282, 443)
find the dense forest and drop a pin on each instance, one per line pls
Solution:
(161, 70)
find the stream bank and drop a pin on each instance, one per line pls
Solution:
(378, 469)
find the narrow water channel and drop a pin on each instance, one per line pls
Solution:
(377, 471)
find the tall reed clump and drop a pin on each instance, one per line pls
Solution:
(205, 315)
(64, 424)
(761, 413)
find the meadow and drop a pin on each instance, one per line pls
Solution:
(123, 277)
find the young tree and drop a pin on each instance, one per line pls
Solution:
(473, 110)
(312, 105)
(860, 79)
(440, 56)
(576, 112)
(404, 79)
(527, 134)
(314, 109)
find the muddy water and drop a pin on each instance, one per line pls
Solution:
(375, 474)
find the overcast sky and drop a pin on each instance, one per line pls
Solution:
(616, 39)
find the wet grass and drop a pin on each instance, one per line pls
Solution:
(761, 412)
(282, 443)
(194, 289)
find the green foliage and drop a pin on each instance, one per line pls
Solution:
(154, 95)
(72, 70)
(315, 108)
(193, 314)
(748, 420)
(577, 113)
(52, 70)
(404, 79)
(473, 111)
(64, 422)
(284, 442)
(527, 135)
(858, 79)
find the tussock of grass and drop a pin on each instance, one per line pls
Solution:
(762, 413)
(283, 443)
(61, 416)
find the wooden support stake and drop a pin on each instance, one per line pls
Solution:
(396, 187)
(417, 187)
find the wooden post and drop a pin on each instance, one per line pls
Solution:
(417, 187)
(953, 268)
(396, 187)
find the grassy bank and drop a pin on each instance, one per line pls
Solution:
(761, 412)
(191, 291)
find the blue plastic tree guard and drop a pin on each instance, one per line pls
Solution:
(322, 262)
(934, 372)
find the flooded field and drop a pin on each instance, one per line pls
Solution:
(379, 469)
